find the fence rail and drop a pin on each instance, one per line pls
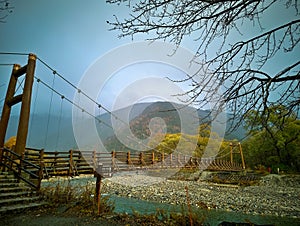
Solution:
(75, 162)
(23, 169)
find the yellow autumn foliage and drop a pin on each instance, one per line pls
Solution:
(10, 142)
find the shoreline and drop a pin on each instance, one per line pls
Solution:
(274, 196)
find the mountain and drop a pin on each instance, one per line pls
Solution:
(56, 133)
(177, 118)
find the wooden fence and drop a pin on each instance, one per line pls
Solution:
(75, 162)
(25, 170)
(36, 164)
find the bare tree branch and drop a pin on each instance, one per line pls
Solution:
(239, 68)
(5, 10)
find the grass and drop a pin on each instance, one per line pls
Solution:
(80, 201)
(81, 198)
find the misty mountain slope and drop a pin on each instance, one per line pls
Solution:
(56, 132)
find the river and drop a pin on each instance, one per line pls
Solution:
(211, 217)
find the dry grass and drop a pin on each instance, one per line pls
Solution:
(79, 198)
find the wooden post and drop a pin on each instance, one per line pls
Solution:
(78, 162)
(11, 100)
(242, 156)
(231, 154)
(6, 106)
(94, 157)
(25, 107)
(141, 158)
(41, 171)
(55, 161)
(113, 160)
(98, 187)
(3, 151)
(19, 164)
(42, 154)
(153, 158)
(128, 157)
(189, 205)
(71, 162)
(1, 154)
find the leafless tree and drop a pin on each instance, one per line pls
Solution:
(240, 67)
(5, 10)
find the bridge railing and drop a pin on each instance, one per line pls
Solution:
(63, 163)
(75, 162)
(148, 160)
(23, 169)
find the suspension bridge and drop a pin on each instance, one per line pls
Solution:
(20, 163)
(31, 165)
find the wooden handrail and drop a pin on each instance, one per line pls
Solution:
(75, 162)
(17, 164)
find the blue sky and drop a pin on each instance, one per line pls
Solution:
(70, 35)
(67, 35)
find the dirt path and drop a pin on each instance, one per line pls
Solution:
(54, 216)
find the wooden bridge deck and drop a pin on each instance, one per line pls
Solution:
(75, 162)
(38, 164)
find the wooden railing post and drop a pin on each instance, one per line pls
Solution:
(231, 153)
(242, 156)
(98, 187)
(41, 170)
(178, 160)
(42, 154)
(113, 160)
(19, 164)
(9, 155)
(153, 158)
(141, 158)
(1, 154)
(55, 161)
(3, 159)
(94, 157)
(191, 162)
(78, 162)
(71, 171)
(128, 158)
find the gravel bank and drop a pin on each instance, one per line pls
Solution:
(275, 195)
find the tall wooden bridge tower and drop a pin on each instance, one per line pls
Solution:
(25, 98)
(240, 151)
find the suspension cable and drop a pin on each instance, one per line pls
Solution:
(7, 64)
(14, 53)
(34, 109)
(67, 99)
(59, 122)
(49, 111)
(80, 91)
(71, 102)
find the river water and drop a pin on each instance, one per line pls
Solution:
(212, 217)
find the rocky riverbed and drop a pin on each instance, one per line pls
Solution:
(276, 195)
